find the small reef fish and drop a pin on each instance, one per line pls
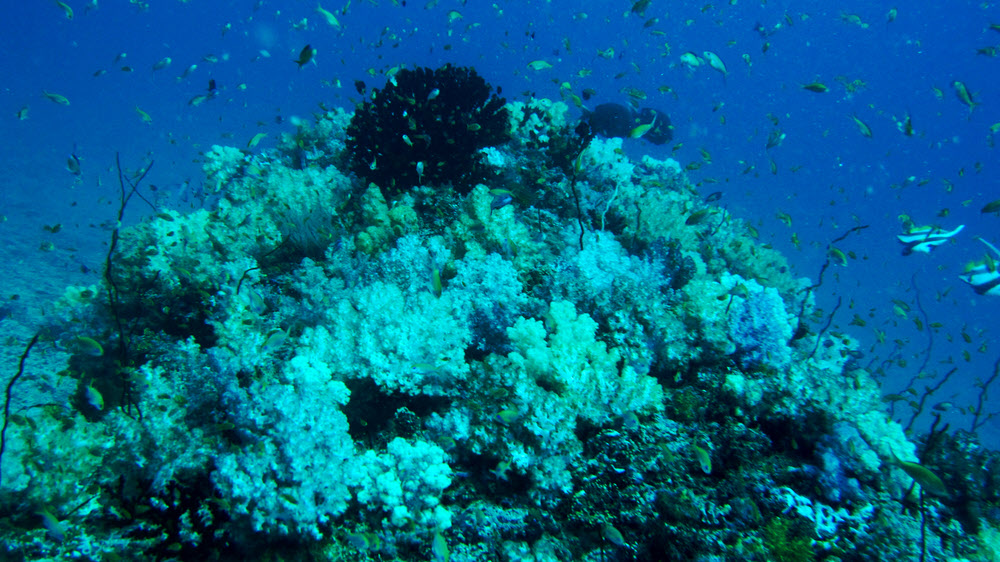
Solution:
(501, 198)
(817, 87)
(704, 459)
(56, 98)
(143, 115)
(691, 60)
(363, 541)
(436, 284)
(991, 207)
(187, 72)
(94, 397)
(613, 535)
(906, 125)
(305, 55)
(964, 95)
(73, 164)
(331, 19)
(67, 10)
(507, 416)
(439, 548)
(853, 19)
(640, 130)
(774, 138)
(715, 62)
(83, 345)
(929, 482)
(162, 63)
(256, 140)
(862, 126)
(56, 529)
(837, 256)
(274, 340)
(697, 217)
(640, 7)
(925, 238)
(983, 276)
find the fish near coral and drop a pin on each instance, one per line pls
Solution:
(929, 482)
(660, 130)
(613, 535)
(56, 528)
(83, 346)
(616, 120)
(439, 548)
(704, 459)
(508, 416)
(94, 397)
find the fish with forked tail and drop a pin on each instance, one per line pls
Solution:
(923, 239)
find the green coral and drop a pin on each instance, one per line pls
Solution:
(783, 544)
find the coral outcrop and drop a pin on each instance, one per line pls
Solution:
(583, 361)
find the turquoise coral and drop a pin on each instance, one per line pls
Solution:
(469, 375)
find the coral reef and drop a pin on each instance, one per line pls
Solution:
(426, 128)
(582, 360)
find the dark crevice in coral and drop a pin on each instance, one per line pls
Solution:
(374, 414)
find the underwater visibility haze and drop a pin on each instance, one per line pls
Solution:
(499, 281)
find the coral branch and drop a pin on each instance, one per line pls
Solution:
(829, 320)
(928, 392)
(9, 396)
(822, 270)
(114, 293)
(983, 399)
(926, 324)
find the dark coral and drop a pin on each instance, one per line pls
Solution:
(971, 473)
(440, 118)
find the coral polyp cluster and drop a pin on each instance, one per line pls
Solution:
(425, 127)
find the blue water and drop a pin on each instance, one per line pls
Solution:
(828, 177)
